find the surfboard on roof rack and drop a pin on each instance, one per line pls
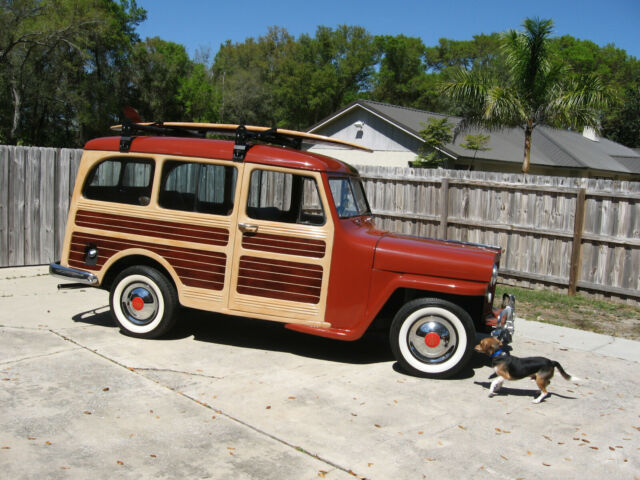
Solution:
(243, 134)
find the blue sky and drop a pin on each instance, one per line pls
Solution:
(200, 23)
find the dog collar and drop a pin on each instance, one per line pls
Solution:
(495, 354)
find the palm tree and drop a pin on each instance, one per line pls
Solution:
(536, 90)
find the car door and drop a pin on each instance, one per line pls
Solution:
(283, 246)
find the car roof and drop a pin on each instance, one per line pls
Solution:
(223, 150)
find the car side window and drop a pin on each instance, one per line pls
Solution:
(284, 197)
(198, 187)
(121, 180)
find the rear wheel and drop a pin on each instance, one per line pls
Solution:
(143, 302)
(432, 338)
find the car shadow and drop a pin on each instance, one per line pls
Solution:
(246, 332)
(100, 317)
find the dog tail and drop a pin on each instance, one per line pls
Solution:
(564, 374)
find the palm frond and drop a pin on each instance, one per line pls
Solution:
(578, 102)
(504, 107)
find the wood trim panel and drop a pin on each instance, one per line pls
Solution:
(153, 228)
(297, 282)
(195, 268)
(284, 244)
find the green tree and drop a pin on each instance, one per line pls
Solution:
(436, 133)
(623, 123)
(63, 67)
(477, 143)
(401, 70)
(159, 70)
(536, 92)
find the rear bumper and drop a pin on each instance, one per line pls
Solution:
(68, 273)
(502, 319)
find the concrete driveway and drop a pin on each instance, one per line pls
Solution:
(231, 398)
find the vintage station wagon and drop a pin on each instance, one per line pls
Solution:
(271, 232)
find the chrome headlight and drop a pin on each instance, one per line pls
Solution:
(494, 276)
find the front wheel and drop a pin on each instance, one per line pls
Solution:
(432, 338)
(143, 302)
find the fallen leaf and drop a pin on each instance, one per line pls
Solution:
(461, 427)
(6, 448)
(546, 464)
(31, 438)
(429, 459)
(594, 448)
(268, 407)
(292, 398)
(47, 442)
(547, 437)
(119, 462)
(377, 426)
(612, 449)
(504, 458)
(322, 473)
(153, 456)
(420, 433)
(87, 412)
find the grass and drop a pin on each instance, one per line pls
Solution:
(581, 312)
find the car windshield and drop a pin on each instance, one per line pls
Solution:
(349, 197)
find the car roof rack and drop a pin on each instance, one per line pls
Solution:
(245, 135)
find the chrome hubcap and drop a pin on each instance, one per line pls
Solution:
(432, 339)
(139, 303)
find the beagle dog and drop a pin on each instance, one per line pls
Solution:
(507, 367)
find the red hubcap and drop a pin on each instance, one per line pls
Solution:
(432, 340)
(137, 303)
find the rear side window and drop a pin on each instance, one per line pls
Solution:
(198, 187)
(121, 180)
(283, 197)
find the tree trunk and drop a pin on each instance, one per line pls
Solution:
(17, 103)
(528, 130)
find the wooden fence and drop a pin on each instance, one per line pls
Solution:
(36, 185)
(569, 233)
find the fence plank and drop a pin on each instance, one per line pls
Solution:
(5, 153)
(16, 206)
(576, 249)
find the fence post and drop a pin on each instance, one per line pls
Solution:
(576, 249)
(444, 213)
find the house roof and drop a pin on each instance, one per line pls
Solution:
(550, 146)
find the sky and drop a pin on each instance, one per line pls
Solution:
(202, 24)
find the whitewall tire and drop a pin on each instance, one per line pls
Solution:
(143, 302)
(431, 337)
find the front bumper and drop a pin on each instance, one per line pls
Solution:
(68, 273)
(502, 321)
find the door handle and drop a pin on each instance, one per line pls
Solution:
(248, 228)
